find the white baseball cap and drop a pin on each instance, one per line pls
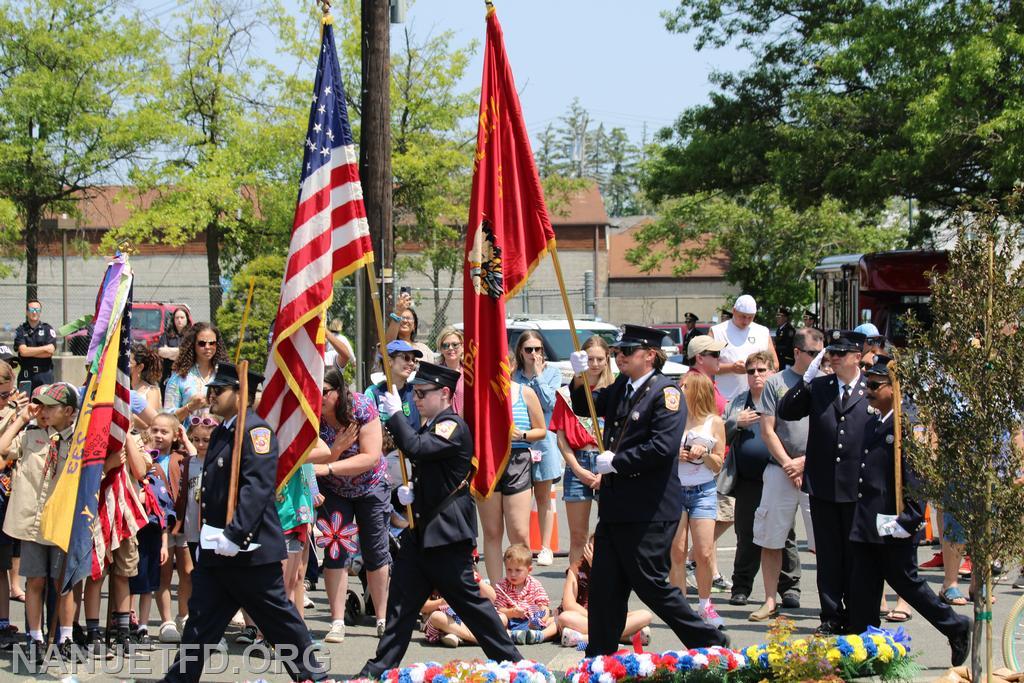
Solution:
(745, 304)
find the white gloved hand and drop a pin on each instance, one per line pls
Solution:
(406, 495)
(391, 402)
(604, 463)
(578, 361)
(225, 546)
(895, 530)
(812, 369)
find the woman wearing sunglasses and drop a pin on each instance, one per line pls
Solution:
(450, 348)
(200, 351)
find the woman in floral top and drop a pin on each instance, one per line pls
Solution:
(354, 484)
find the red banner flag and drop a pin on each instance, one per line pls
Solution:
(508, 233)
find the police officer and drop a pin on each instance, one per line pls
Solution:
(691, 330)
(641, 497)
(884, 544)
(231, 571)
(35, 343)
(838, 412)
(438, 553)
(784, 333)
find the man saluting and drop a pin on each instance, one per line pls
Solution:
(438, 553)
(641, 497)
(235, 572)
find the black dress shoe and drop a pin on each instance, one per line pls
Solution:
(828, 628)
(791, 600)
(960, 646)
(739, 599)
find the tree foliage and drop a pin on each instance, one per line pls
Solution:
(771, 248)
(966, 390)
(77, 80)
(855, 100)
(268, 272)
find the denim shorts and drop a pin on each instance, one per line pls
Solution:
(574, 490)
(701, 501)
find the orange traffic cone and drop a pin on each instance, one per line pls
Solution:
(535, 544)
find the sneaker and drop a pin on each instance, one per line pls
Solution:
(571, 638)
(645, 636)
(791, 600)
(307, 602)
(179, 622)
(66, 650)
(534, 636)
(168, 633)
(966, 568)
(545, 557)
(934, 563)
(1019, 583)
(9, 635)
(519, 636)
(336, 634)
(710, 616)
(450, 640)
(720, 584)
(78, 635)
(306, 585)
(691, 581)
(95, 644)
(247, 636)
(691, 565)
(142, 637)
(381, 625)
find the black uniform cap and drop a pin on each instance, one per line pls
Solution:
(637, 335)
(845, 340)
(691, 317)
(431, 373)
(880, 367)
(227, 376)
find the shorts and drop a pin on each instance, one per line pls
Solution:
(126, 558)
(372, 512)
(517, 476)
(699, 501)
(38, 560)
(147, 580)
(176, 541)
(952, 532)
(726, 508)
(551, 464)
(775, 516)
(295, 539)
(6, 555)
(574, 490)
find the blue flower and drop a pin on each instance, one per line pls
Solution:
(520, 678)
(440, 678)
(404, 677)
(632, 665)
(685, 663)
(762, 660)
(844, 647)
(870, 646)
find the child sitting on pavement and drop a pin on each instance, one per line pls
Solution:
(443, 625)
(522, 599)
(572, 616)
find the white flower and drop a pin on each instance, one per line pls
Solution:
(416, 673)
(606, 678)
(598, 665)
(700, 661)
(646, 667)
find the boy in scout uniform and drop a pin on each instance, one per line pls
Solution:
(438, 553)
(641, 497)
(884, 543)
(229, 575)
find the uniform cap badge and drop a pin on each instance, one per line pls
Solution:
(260, 440)
(836, 334)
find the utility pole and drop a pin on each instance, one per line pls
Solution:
(375, 166)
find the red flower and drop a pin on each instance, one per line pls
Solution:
(429, 674)
(585, 678)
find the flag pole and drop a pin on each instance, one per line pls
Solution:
(897, 432)
(386, 361)
(576, 343)
(236, 450)
(245, 318)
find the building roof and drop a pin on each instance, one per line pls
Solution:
(619, 268)
(585, 207)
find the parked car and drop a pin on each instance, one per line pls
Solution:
(149, 320)
(677, 331)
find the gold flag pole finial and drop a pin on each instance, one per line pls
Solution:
(126, 247)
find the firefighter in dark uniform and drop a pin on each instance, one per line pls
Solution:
(641, 497)
(438, 553)
(884, 543)
(691, 331)
(784, 333)
(838, 411)
(35, 342)
(227, 575)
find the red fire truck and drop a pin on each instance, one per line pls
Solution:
(881, 288)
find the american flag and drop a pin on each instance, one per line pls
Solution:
(330, 240)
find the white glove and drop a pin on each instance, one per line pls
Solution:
(604, 463)
(406, 495)
(812, 369)
(391, 402)
(578, 361)
(894, 529)
(225, 546)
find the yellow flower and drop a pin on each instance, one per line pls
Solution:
(775, 658)
(800, 647)
(833, 655)
(885, 653)
(878, 640)
(900, 650)
(859, 654)
(752, 652)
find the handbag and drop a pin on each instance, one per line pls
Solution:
(725, 480)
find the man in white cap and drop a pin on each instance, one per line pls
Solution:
(742, 337)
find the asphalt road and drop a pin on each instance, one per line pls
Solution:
(346, 658)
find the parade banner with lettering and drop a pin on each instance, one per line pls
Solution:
(509, 232)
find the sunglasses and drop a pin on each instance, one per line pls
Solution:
(407, 357)
(757, 371)
(713, 354)
(204, 344)
(874, 386)
(837, 353)
(447, 346)
(328, 390)
(865, 366)
(533, 349)
(34, 309)
(195, 421)
(809, 352)
(422, 393)
(214, 392)
(626, 350)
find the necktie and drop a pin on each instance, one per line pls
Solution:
(846, 396)
(629, 392)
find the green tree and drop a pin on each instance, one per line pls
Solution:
(770, 247)
(545, 153)
(230, 125)
(267, 272)
(76, 78)
(966, 393)
(620, 188)
(859, 101)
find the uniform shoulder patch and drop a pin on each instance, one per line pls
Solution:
(445, 428)
(260, 440)
(671, 398)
